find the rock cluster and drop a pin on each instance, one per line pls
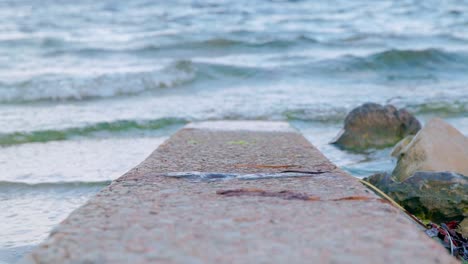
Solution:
(430, 179)
(431, 176)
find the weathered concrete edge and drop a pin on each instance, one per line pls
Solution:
(123, 179)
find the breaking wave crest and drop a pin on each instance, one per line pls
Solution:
(14, 186)
(62, 87)
(407, 59)
(90, 130)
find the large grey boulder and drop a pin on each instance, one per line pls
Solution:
(436, 196)
(375, 126)
(437, 147)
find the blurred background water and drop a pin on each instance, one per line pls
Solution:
(88, 88)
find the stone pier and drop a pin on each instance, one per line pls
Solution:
(237, 192)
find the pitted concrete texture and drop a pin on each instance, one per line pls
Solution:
(146, 217)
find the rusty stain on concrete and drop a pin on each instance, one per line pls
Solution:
(287, 195)
(290, 195)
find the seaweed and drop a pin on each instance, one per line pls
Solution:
(450, 238)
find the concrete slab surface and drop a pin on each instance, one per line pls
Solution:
(321, 216)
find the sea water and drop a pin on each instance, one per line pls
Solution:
(88, 88)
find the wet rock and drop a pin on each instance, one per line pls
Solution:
(436, 196)
(437, 147)
(375, 126)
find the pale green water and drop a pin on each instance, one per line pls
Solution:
(89, 88)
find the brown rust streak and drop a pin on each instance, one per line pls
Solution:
(354, 198)
(290, 195)
(287, 195)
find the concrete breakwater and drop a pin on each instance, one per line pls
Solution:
(302, 209)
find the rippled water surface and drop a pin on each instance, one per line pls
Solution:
(90, 88)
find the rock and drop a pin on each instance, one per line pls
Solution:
(375, 126)
(437, 147)
(401, 145)
(463, 228)
(381, 181)
(436, 196)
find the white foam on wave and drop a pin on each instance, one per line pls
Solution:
(71, 87)
(247, 125)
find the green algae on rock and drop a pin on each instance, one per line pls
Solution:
(434, 196)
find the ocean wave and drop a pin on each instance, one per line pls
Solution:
(91, 130)
(56, 47)
(453, 102)
(64, 87)
(15, 186)
(332, 115)
(448, 107)
(427, 65)
(267, 43)
(444, 109)
(363, 38)
(397, 60)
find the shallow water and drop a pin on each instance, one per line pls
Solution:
(90, 88)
